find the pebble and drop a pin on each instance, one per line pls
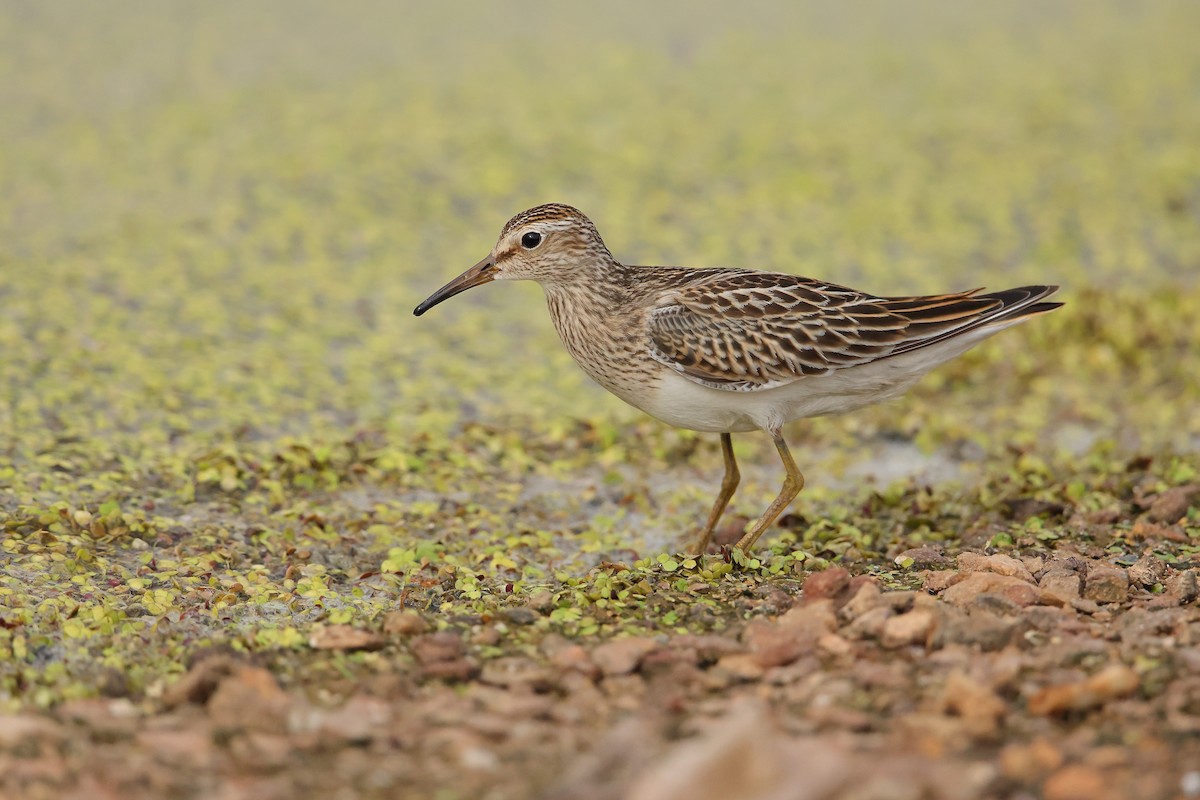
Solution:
(356, 720)
(1173, 504)
(1064, 585)
(828, 583)
(1183, 586)
(740, 666)
(1147, 571)
(1014, 589)
(404, 623)
(1115, 680)
(542, 601)
(1030, 762)
(835, 645)
(621, 656)
(939, 581)
(519, 616)
(1076, 782)
(907, 629)
(708, 647)
(980, 708)
(434, 647)
(517, 671)
(869, 625)
(923, 558)
(980, 628)
(1105, 584)
(868, 596)
(998, 563)
(250, 699)
(574, 658)
(344, 637)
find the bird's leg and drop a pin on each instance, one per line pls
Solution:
(791, 487)
(729, 485)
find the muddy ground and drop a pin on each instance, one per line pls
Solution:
(1063, 667)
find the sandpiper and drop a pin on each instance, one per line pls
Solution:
(734, 350)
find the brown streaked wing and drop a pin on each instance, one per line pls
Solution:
(746, 330)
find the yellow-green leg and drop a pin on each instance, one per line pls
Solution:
(791, 487)
(729, 485)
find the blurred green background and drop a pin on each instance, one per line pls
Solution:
(220, 215)
(215, 219)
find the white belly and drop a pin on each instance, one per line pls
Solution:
(684, 403)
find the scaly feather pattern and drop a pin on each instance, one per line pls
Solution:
(744, 330)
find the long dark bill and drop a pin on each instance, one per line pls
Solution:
(477, 275)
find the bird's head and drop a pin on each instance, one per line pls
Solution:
(550, 244)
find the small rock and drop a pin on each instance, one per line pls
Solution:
(745, 755)
(1147, 571)
(810, 621)
(344, 637)
(355, 721)
(1086, 606)
(1115, 680)
(940, 580)
(514, 705)
(998, 563)
(869, 625)
(519, 616)
(829, 583)
(907, 629)
(22, 730)
(1023, 508)
(923, 558)
(1182, 586)
(1105, 584)
(199, 683)
(435, 647)
(900, 600)
(1145, 529)
(191, 747)
(1076, 782)
(106, 720)
(1030, 763)
(995, 604)
(677, 663)
(249, 699)
(868, 596)
(979, 628)
(1173, 504)
(541, 601)
(708, 647)
(457, 669)
(621, 656)
(835, 645)
(980, 708)
(514, 671)
(1016, 590)
(573, 658)
(1035, 564)
(404, 623)
(255, 751)
(1064, 585)
(486, 637)
(742, 666)
(773, 643)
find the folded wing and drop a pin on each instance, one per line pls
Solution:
(742, 330)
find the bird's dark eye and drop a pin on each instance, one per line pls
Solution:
(531, 240)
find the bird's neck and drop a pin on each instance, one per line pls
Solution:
(598, 323)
